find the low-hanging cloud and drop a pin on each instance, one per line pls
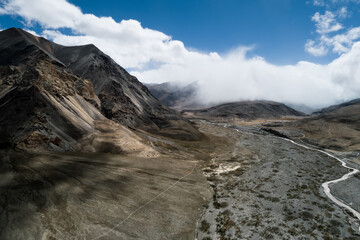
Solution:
(155, 57)
(234, 77)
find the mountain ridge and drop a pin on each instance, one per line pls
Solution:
(337, 106)
(246, 110)
(336, 127)
(46, 105)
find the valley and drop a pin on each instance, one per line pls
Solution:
(89, 152)
(99, 196)
(238, 182)
(276, 192)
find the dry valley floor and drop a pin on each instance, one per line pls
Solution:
(237, 182)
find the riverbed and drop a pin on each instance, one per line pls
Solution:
(276, 193)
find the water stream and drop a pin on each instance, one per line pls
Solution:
(325, 185)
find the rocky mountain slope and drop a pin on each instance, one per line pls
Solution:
(246, 110)
(75, 98)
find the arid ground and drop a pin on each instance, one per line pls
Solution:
(237, 182)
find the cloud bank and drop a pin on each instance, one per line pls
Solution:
(153, 56)
(235, 77)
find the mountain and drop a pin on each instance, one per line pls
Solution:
(336, 127)
(184, 97)
(75, 98)
(174, 96)
(246, 110)
(301, 108)
(336, 107)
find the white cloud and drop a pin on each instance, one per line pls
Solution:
(127, 41)
(328, 40)
(342, 12)
(317, 50)
(345, 1)
(342, 43)
(339, 43)
(220, 78)
(329, 3)
(54, 14)
(234, 77)
(326, 23)
(319, 3)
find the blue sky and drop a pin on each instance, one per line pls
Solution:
(278, 29)
(297, 51)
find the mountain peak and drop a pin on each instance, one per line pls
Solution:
(62, 92)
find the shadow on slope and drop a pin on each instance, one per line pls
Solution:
(76, 196)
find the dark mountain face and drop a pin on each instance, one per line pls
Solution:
(247, 110)
(58, 95)
(39, 99)
(176, 97)
(123, 98)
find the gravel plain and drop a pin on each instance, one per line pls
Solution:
(276, 192)
(239, 182)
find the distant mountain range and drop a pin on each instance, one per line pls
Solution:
(185, 97)
(75, 98)
(176, 97)
(249, 110)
